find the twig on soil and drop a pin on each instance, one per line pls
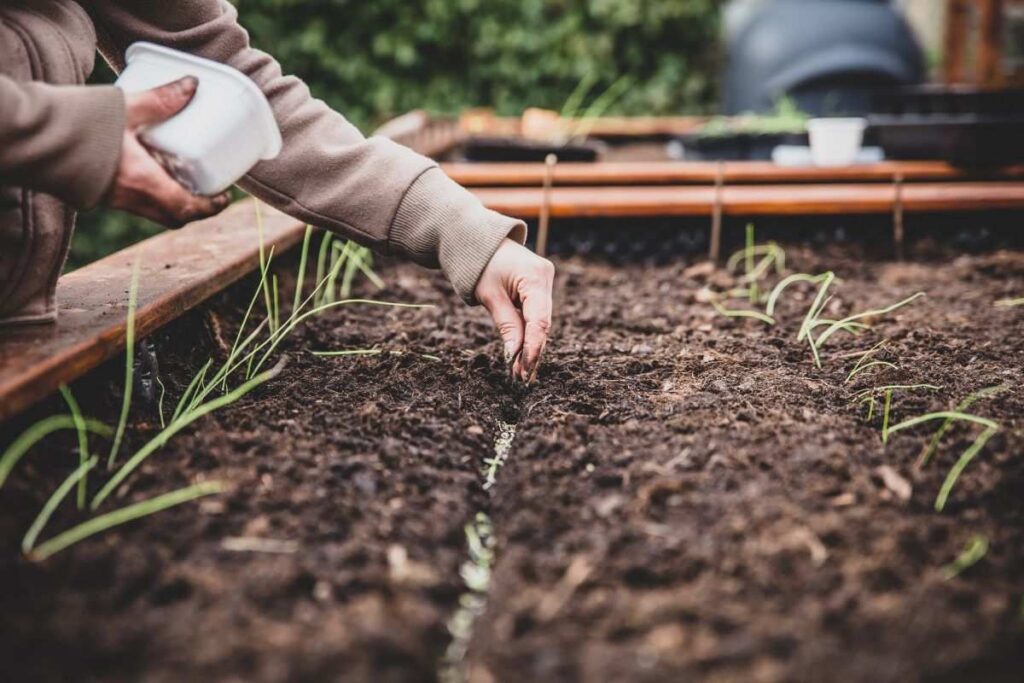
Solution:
(1009, 303)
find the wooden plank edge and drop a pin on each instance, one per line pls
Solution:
(760, 200)
(44, 374)
(475, 174)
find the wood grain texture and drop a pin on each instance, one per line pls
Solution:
(754, 200)
(179, 270)
(695, 172)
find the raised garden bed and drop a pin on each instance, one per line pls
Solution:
(686, 495)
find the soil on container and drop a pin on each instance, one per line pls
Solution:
(686, 497)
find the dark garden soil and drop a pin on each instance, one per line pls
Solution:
(687, 497)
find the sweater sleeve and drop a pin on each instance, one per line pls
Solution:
(370, 189)
(60, 139)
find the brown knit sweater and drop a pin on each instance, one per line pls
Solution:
(66, 141)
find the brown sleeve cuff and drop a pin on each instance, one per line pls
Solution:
(439, 223)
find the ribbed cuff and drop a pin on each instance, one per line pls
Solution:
(439, 223)
(92, 163)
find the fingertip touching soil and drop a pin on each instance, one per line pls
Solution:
(687, 496)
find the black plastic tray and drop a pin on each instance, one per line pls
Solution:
(738, 146)
(969, 141)
(518, 149)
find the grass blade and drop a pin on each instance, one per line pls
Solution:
(737, 313)
(83, 437)
(838, 325)
(961, 464)
(264, 263)
(160, 439)
(575, 100)
(873, 364)
(776, 292)
(820, 300)
(117, 517)
(190, 390)
(973, 551)
(39, 431)
(942, 415)
(129, 365)
(76, 477)
(933, 445)
(303, 256)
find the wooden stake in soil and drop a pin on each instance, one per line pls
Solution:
(545, 205)
(897, 215)
(714, 252)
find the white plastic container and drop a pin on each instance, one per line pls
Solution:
(225, 130)
(836, 142)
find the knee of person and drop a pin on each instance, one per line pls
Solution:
(62, 37)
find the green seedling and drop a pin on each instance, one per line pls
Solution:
(973, 552)
(264, 264)
(786, 118)
(769, 254)
(962, 407)
(864, 362)
(303, 257)
(849, 324)
(845, 323)
(476, 574)
(990, 429)
(572, 104)
(740, 313)
(248, 353)
(39, 431)
(887, 391)
(122, 516)
(83, 438)
(129, 365)
(183, 421)
(773, 296)
(582, 127)
(821, 300)
(322, 264)
(76, 477)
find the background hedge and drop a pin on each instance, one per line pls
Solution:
(374, 59)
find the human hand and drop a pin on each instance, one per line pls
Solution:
(515, 288)
(141, 185)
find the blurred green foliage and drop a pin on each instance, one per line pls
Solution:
(372, 60)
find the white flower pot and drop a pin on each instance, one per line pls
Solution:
(836, 142)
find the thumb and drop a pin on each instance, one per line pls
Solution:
(159, 104)
(509, 322)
